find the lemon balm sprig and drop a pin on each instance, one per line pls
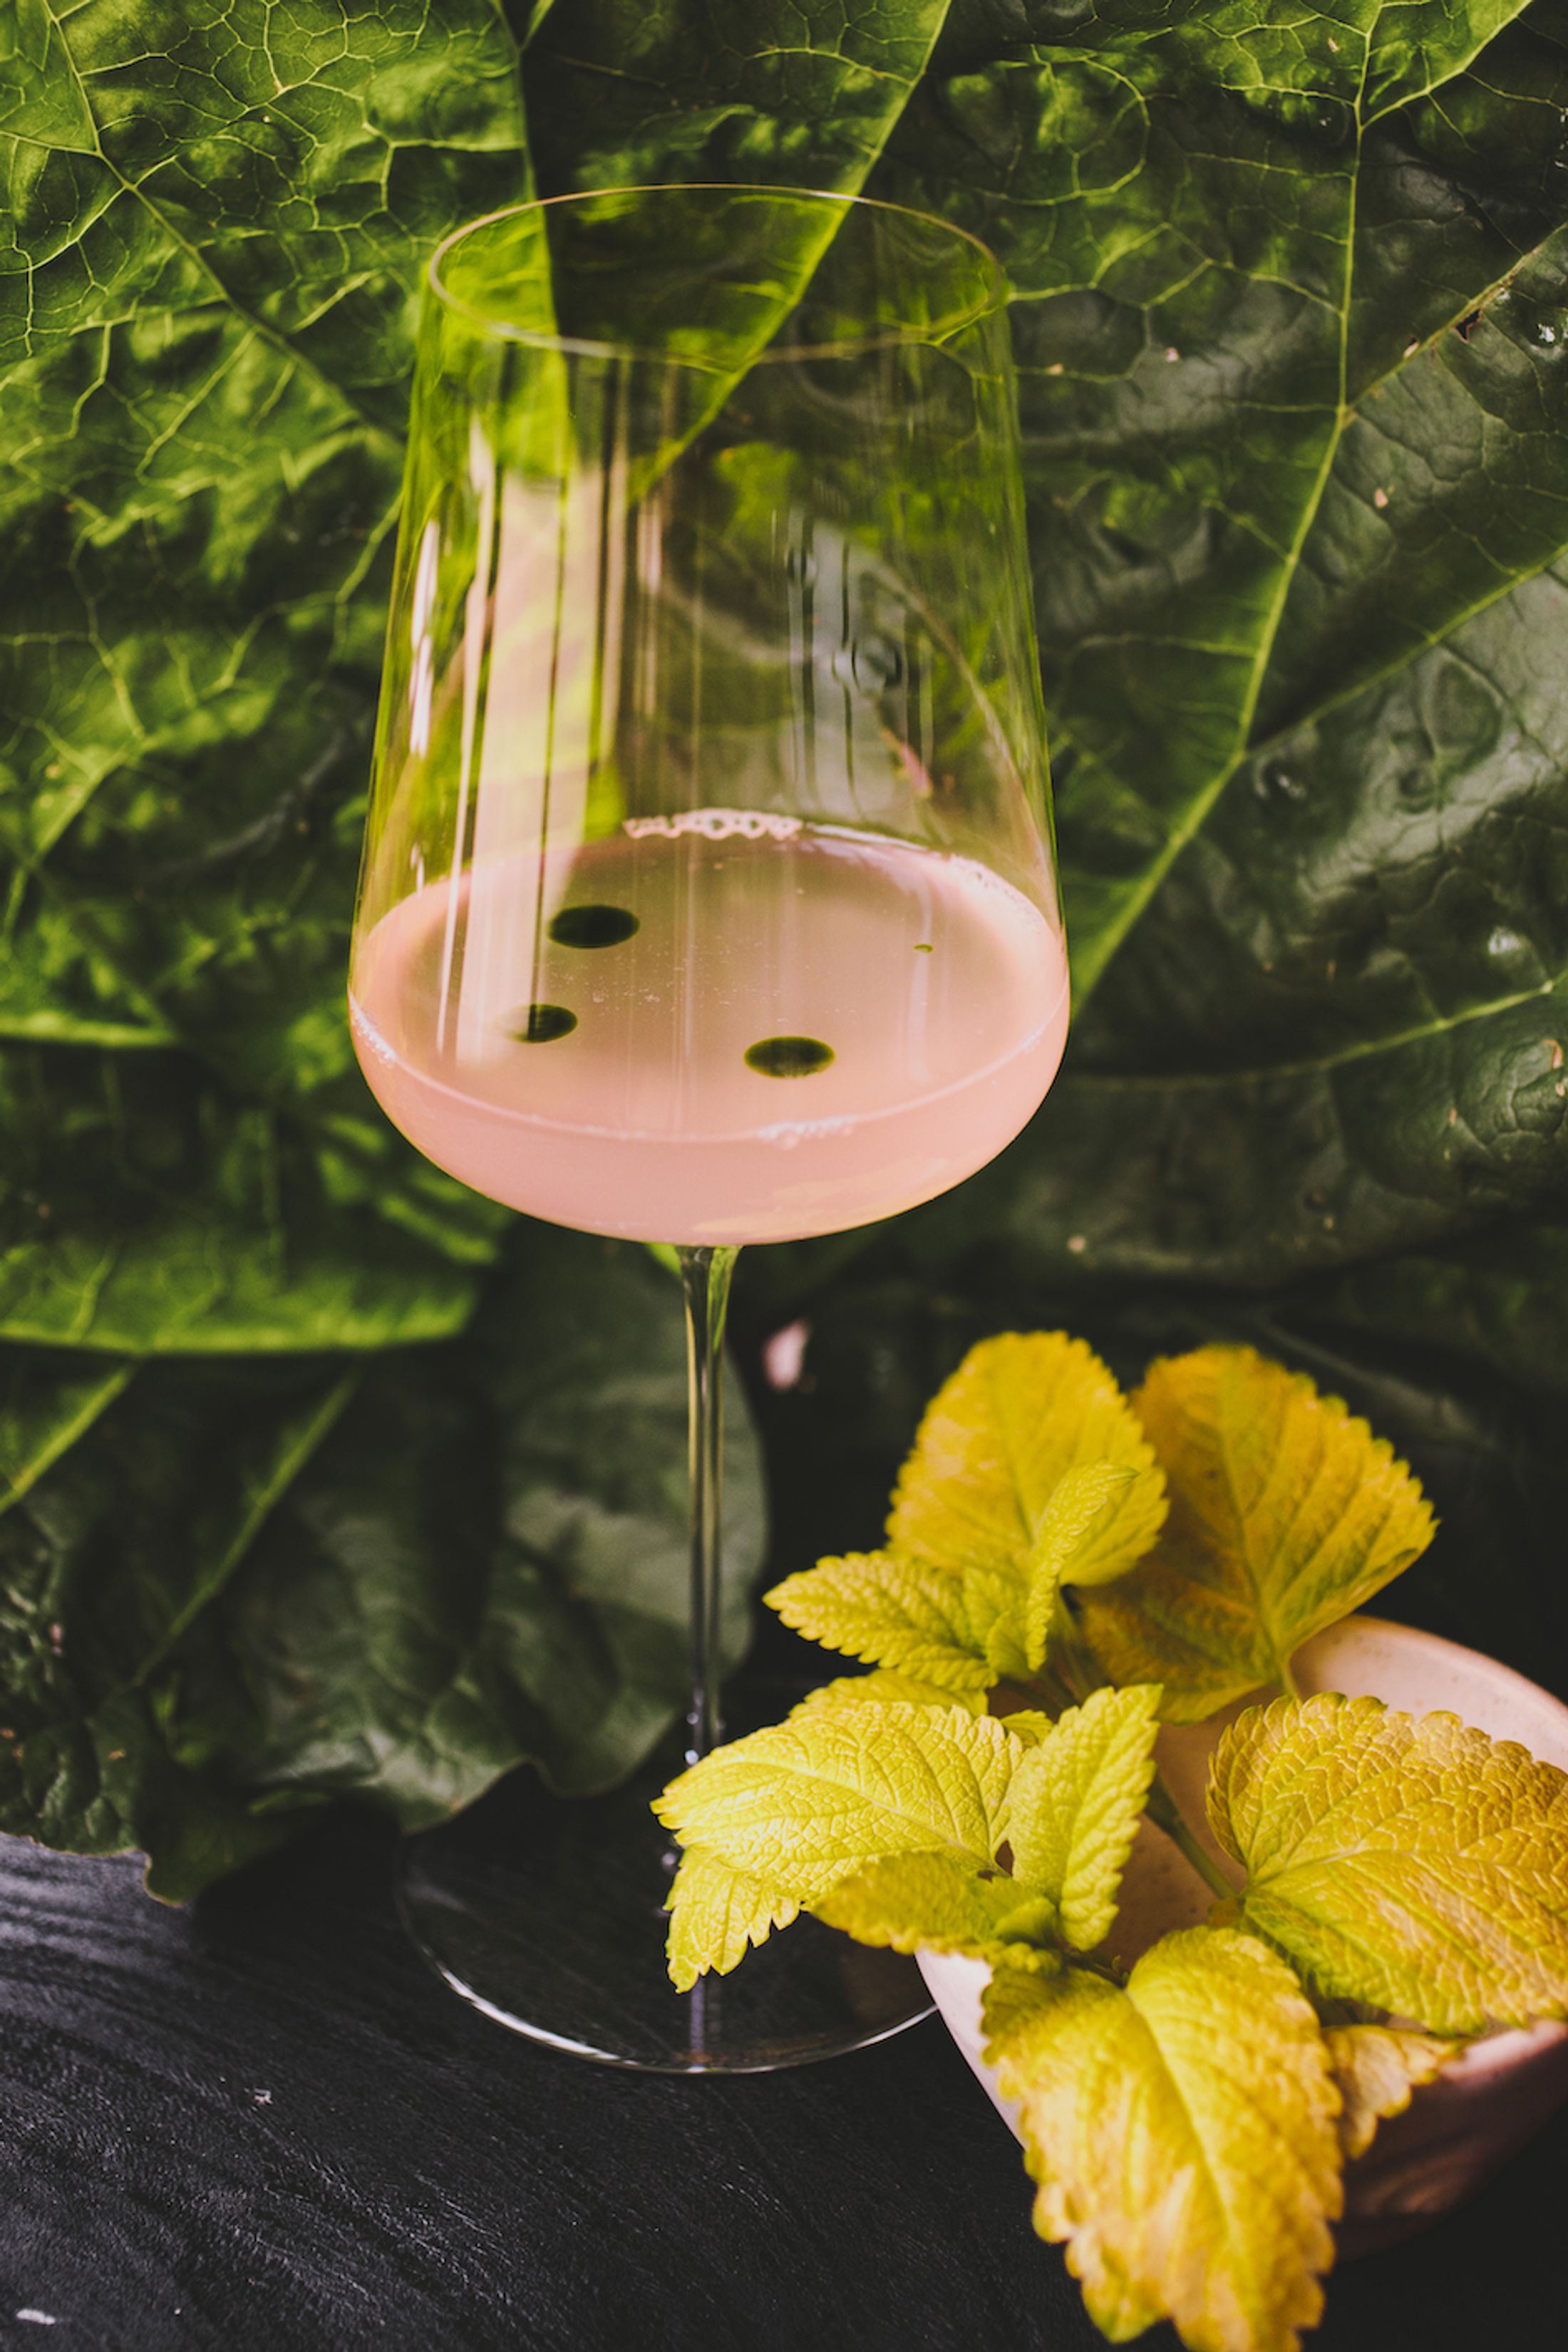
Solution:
(1066, 1569)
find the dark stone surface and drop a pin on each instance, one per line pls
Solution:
(261, 2127)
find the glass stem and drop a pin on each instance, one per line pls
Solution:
(705, 1278)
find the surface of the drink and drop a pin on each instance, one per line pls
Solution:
(713, 1028)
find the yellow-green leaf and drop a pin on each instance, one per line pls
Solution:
(994, 1602)
(936, 1902)
(807, 1803)
(1182, 2135)
(1403, 1861)
(895, 1613)
(1075, 1804)
(997, 1438)
(716, 1915)
(885, 1686)
(1066, 1536)
(1377, 2067)
(1286, 1513)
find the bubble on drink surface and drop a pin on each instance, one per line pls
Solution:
(593, 927)
(541, 1024)
(788, 1058)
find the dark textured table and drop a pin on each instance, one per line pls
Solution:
(262, 2127)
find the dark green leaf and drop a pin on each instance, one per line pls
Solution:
(47, 1401)
(1291, 306)
(488, 1561)
(106, 1560)
(217, 226)
(248, 1589)
(142, 1209)
(800, 95)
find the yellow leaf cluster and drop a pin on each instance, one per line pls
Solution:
(888, 1818)
(1186, 2122)
(1200, 1534)
(1028, 1472)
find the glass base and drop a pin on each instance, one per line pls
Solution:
(548, 1915)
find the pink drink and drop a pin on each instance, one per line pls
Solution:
(738, 1033)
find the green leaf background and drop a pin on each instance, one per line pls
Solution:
(321, 1478)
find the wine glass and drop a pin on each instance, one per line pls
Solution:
(708, 895)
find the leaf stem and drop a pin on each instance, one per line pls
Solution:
(1052, 1689)
(1098, 1965)
(1075, 1671)
(1164, 1812)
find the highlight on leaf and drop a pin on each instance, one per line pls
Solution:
(717, 1914)
(811, 1801)
(898, 1613)
(1074, 1809)
(997, 1438)
(1286, 1513)
(885, 1686)
(1182, 2135)
(939, 1902)
(1407, 1861)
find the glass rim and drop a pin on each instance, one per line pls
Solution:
(986, 305)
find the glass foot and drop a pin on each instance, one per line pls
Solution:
(548, 1915)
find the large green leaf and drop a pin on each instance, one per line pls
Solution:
(1290, 321)
(248, 1588)
(217, 225)
(216, 228)
(491, 1558)
(803, 94)
(143, 1207)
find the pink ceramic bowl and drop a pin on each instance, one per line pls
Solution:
(1458, 2130)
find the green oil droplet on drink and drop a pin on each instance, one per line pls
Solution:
(788, 1058)
(924, 947)
(541, 1023)
(593, 927)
